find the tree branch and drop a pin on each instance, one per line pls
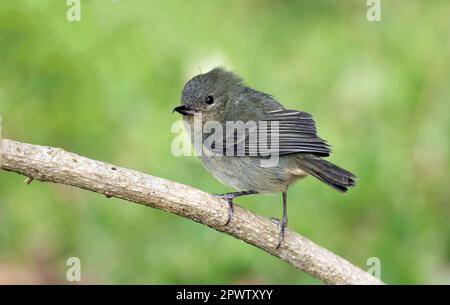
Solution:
(50, 164)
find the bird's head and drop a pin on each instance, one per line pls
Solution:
(209, 93)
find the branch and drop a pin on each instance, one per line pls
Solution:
(55, 165)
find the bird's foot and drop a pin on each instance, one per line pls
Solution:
(282, 224)
(229, 199)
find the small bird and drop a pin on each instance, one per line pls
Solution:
(221, 96)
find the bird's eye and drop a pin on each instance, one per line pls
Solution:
(209, 100)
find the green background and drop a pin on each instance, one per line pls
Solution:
(105, 87)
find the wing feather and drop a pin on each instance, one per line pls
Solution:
(291, 131)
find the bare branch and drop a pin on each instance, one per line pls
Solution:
(56, 165)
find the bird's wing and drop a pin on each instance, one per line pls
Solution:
(296, 132)
(281, 131)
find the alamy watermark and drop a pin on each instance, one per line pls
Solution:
(231, 138)
(375, 267)
(74, 11)
(73, 273)
(374, 10)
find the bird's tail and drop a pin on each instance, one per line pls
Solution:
(327, 172)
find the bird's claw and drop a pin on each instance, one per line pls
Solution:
(229, 200)
(282, 223)
(230, 211)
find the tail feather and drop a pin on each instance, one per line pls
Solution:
(327, 172)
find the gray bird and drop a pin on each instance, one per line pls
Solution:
(221, 96)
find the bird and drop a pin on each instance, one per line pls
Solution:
(220, 96)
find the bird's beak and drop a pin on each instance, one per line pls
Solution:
(184, 110)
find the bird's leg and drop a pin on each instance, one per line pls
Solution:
(282, 223)
(229, 198)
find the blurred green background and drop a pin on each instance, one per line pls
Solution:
(104, 87)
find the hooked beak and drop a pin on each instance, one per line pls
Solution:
(184, 110)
